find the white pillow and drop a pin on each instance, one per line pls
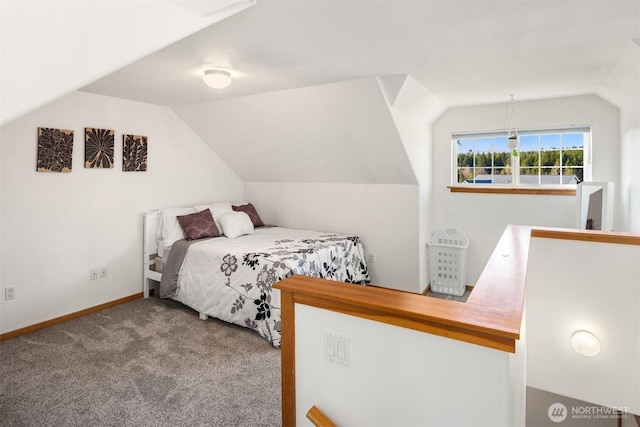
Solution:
(169, 229)
(236, 224)
(217, 210)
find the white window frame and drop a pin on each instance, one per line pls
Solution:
(587, 153)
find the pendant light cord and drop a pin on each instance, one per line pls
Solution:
(511, 118)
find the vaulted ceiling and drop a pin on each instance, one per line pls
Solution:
(306, 73)
(464, 52)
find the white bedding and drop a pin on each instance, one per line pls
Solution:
(231, 279)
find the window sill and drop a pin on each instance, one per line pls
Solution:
(493, 189)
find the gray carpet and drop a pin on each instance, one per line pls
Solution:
(149, 362)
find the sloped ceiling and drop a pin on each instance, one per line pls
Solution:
(52, 48)
(464, 52)
(335, 133)
(304, 105)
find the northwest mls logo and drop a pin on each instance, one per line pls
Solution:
(557, 412)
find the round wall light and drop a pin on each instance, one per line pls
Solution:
(585, 343)
(217, 79)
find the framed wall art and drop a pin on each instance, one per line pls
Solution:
(98, 148)
(134, 153)
(55, 150)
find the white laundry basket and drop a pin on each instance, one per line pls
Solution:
(448, 261)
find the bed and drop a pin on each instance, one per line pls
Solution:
(231, 277)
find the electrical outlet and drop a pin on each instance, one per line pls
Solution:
(337, 348)
(371, 258)
(103, 272)
(9, 293)
(93, 274)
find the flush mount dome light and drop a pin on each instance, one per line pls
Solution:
(585, 343)
(217, 79)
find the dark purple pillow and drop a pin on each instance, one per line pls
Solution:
(198, 225)
(250, 210)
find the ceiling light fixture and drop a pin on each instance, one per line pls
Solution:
(585, 343)
(217, 79)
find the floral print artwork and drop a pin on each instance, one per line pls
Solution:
(134, 153)
(55, 150)
(98, 148)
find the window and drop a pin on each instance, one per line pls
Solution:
(546, 157)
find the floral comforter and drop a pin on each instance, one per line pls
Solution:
(232, 279)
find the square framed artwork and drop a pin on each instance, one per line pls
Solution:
(134, 153)
(98, 148)
(55, 150)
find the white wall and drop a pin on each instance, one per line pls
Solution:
(414, 109)
(58, 226)
(630, 168)
(483, 217)
(427, 380)
(590, 286)
(630, 180)
(622, 88)
(385, 217)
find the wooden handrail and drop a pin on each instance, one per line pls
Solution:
(502, 282)
(487, 326)
(491, 317)
(587, 235)
(318, 418)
